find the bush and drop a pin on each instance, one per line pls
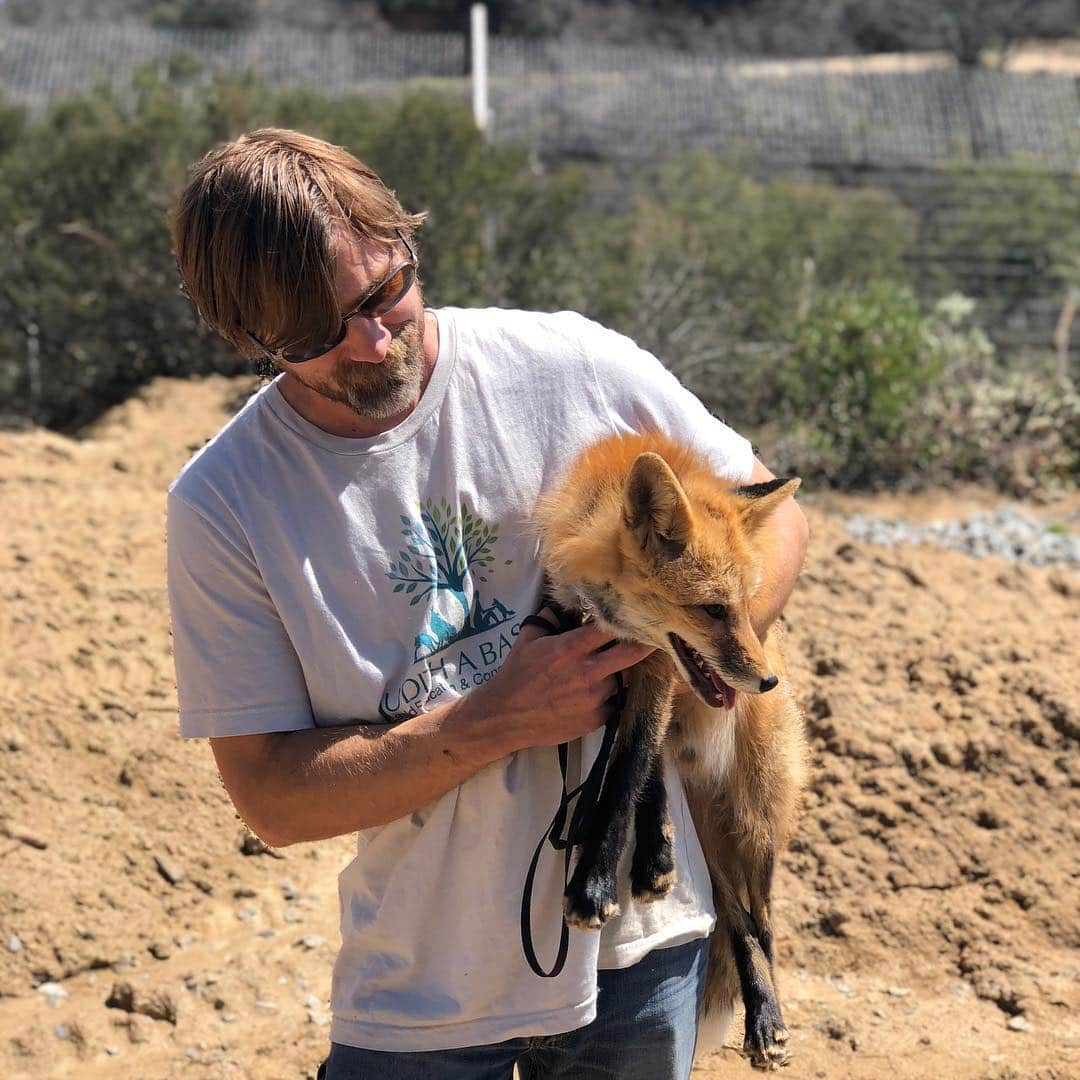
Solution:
(1018, 430)
(874, 393)
(89, 301)
(704, 257)
(1015, 218)
(852, 386)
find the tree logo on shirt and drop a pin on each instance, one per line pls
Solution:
(447, 553)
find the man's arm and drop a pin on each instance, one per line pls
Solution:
(783, 540)
(310, 785)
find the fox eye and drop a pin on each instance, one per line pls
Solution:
(715, 611)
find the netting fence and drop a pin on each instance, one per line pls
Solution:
(903, 130)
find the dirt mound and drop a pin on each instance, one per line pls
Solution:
(927, 918)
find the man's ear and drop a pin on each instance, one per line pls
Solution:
(655, 508)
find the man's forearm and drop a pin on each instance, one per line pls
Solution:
(332, 781)
(311, 785)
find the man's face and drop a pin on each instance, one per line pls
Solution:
(377, 369)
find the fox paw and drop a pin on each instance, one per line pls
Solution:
(766, 1045)
(589, 905)
(653, 876)
(655, 888)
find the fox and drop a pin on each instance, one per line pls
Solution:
(641, 537)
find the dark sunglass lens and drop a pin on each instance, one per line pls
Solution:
(311, 348)
(389, 293)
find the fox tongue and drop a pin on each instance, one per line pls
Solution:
(722, 688)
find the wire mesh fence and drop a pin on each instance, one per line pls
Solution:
(902, 130)
(606, 101)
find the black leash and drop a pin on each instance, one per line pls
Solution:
(587, 794)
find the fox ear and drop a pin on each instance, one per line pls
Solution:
(655, 508)
(758, 501)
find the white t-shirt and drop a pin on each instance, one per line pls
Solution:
(316, 580)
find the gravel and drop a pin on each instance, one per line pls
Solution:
(1007, 532)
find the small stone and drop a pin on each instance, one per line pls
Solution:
(124, 960)
(246, 914)
(172, 872)
(287, 889)
(292, 916)
(227, 1018)
(54, 993)
(110, 1050)
(12, 740)
(250, 844)
(899, 991)
(880, 1015)
(311, 941)
(160, 950)
(266, 1006)
(1019, 1023)
(61, 1031)
(268, 933)
(14, 944)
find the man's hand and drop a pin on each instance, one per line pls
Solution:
(551, 689)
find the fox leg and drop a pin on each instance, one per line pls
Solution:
(751, 946)
(652, 872)
(760, 890)
(591, 895)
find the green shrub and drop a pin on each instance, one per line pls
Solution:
(853, 384)
(1016, 429)
(704, 257)
(1016, 218)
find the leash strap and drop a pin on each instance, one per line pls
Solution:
(587, 794)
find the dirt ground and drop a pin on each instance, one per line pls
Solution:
(927, 911)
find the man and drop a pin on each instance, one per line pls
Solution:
(350, 561)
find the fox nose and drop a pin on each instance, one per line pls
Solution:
(768, 684)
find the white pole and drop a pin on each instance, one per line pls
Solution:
(479, 45)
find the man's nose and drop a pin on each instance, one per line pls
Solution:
(370, 339)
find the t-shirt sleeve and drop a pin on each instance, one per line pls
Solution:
(639, 393)
(237, 673)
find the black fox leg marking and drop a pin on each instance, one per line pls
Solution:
(592, 894)
(765, 1033)
(760, 889)
(652, 872)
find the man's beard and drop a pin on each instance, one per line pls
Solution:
(379, 391)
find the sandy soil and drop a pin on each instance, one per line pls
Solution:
(927, 912)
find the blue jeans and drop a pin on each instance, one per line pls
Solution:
(645, 1028)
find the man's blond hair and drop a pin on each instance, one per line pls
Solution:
(254, 234)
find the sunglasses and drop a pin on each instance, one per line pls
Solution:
(377, 301)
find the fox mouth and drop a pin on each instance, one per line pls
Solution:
(704, 678)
